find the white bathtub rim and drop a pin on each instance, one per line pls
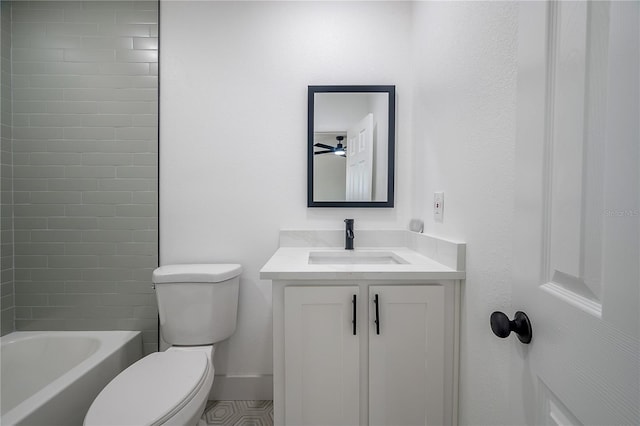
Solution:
(20, 411)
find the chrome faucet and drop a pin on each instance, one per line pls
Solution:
(348, 242)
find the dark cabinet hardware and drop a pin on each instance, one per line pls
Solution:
(353, 321)
(377, 320)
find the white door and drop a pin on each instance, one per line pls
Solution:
(577, 227)
(322, 380)
(360, 160)
(406, 355)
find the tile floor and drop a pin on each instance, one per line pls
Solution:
(238, 413)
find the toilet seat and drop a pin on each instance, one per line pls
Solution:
(150, 391)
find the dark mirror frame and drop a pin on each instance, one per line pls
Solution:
(391, 91)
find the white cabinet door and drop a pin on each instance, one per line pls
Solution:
(406, 355)
(321, 356)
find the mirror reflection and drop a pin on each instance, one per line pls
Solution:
(351, 148)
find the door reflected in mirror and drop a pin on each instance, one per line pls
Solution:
(351, 146)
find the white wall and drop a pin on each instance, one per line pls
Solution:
(335, 112)
(234, 79)
(464, 142)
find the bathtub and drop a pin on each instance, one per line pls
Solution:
(52, 377)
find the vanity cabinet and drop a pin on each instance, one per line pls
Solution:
(397, 365)
(368, 354)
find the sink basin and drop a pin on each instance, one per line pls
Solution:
(344, 257)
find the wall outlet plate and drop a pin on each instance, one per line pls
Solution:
(438, 206)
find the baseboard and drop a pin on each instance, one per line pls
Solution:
(238, 388)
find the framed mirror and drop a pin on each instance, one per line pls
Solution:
(351, 146)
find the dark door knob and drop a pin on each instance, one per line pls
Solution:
(502, 327)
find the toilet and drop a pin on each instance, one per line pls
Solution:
(198, 305)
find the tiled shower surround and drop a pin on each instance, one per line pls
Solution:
(85, 145)
(7, 305)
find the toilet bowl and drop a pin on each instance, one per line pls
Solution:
(164, 388)
(197, 305)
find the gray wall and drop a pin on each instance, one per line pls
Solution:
(85, 165)
(6, 172)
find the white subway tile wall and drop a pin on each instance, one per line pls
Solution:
(7, 294)
(85, 139)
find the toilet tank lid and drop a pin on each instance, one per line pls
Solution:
(196, 273)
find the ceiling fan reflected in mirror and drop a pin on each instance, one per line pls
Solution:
(339, 149)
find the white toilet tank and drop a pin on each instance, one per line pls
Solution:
(197, 303)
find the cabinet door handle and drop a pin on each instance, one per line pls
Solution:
(353, 321)
(377, 320)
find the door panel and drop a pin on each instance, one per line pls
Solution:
(406, 360)
(360, 160)
(577, 230)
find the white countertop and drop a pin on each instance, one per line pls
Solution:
(291, 260)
